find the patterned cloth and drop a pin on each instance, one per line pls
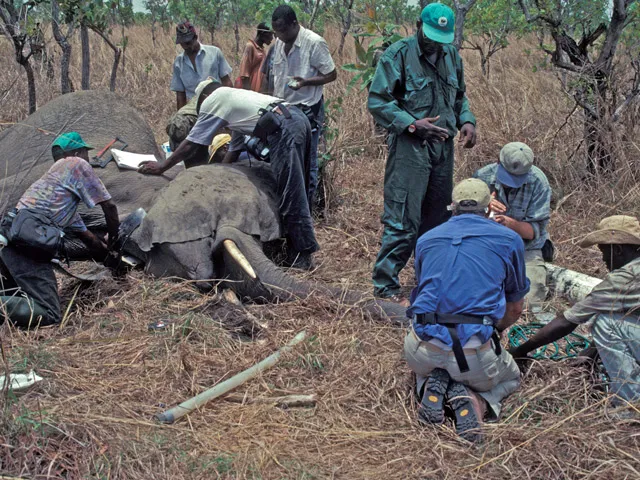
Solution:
(68, 182)
(210, 62)
(530, 203)
(618, 294)
(308, 57)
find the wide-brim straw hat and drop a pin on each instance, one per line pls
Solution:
(615, 230)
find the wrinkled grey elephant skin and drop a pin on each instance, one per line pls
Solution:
(99, 117)
(183, 233)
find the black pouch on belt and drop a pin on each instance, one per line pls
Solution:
(270, 121)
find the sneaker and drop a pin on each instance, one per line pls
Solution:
(431, 408)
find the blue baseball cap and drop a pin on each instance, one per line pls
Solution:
(438, 22)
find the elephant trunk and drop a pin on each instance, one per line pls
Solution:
(272, 283)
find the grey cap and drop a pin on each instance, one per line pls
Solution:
(516, 159)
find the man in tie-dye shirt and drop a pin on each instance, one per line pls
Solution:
(29, 293)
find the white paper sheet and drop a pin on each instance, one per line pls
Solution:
(131, 161)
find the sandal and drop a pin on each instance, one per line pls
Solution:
(466, 418)
(431, 408)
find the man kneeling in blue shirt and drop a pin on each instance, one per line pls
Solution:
(471, 287)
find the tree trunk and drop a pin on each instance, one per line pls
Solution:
(153, 32)
(236, 32)
(124, 50)
(116, 58)
(314, 14)
(86, 57)
(461, 10)
(31, 85)
(346, 26)
(65, 46)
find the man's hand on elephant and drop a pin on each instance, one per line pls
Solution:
(426, 130)
(467, 135)
(150, 168)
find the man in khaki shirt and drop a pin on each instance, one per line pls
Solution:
(613, 305)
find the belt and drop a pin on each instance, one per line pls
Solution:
(467, 351)
(450, 321)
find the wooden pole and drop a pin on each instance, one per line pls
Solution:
(190, 405)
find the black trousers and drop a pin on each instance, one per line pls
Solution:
(290, 150)
(25, 276)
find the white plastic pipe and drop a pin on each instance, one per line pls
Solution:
(190, 405)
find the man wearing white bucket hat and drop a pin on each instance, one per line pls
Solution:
(613, 305)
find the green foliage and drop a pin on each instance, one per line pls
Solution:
(369, 48)
(496, 19)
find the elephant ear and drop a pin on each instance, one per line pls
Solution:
(203, 199)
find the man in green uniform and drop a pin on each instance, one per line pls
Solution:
(418, 94)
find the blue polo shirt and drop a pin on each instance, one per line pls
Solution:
(469, 265)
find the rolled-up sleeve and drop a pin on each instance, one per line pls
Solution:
(382, 104)
(539, 209)
(516, 284)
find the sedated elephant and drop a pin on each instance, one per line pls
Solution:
(205, 223)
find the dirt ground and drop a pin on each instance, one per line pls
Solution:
(106, 375)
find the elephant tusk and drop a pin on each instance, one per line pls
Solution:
(239, 257)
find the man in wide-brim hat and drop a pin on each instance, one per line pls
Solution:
(613, 305)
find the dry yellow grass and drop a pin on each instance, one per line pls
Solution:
(106, 376)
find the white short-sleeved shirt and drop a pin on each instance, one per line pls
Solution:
(210, 62)
(308, 57)
(234, 108)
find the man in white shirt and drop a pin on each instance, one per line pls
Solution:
(302, 64)
(288, 137)
(195, 64)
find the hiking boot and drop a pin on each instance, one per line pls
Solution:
(396, 298)
(431, 408)
(468, 409)
(300, 260)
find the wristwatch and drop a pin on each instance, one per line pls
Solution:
(411, 128)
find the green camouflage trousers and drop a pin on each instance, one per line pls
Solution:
(417, 190)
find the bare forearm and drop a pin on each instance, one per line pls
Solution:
(185, 151)
(181, 100)
(551, 332)
(524, 229)
(111, 217)
(320, 79)
(95, 245)
(511, 316)
(231, 157)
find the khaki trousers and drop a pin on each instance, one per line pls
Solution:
(491, 376)
(537, 274)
